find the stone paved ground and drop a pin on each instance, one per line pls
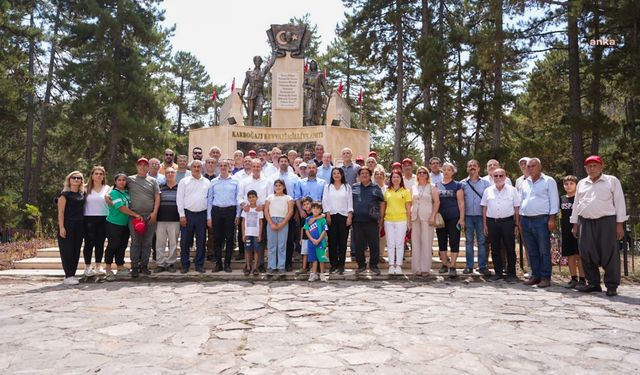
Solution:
(293, 327)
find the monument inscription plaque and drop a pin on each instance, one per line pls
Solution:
(287, 93)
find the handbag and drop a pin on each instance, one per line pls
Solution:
(439, 221)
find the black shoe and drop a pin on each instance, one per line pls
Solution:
(145, 271)
(443, 269)
(453, 272)
(495, 278)
(485, 272)
(184, 269)
(270, 272)
(261, 268)
(512, 279)
(612, 292)
(333, 270)
(227, 268)
(571, 284)
(217, 268)
(590, 288)
(135, 273)
(200, 269)
(340, 271)
(288, 268)
(467, 271)
(376, 271)
(360, 270)
(171, 268)
(159, 269)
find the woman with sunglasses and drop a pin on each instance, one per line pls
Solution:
(95, 215)
(71, 224)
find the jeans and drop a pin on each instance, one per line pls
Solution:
(277, 244)
(535, 232)
(473, 224)
(196, 224)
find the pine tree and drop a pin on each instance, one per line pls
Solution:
(192, 89)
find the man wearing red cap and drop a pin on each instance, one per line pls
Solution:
(374, 155)
(145, 200)
(598, 217)
(407, 173)
(396, 166)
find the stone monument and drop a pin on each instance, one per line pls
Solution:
(328, 120)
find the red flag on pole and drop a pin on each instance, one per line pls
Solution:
(233, 85)
(306, 67)
(361, 95)
(340, 88)
(214, 96)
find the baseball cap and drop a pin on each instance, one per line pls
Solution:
(524, 158)
(593, 159)
(139, 226)
(360, 158)
(302, 165)
(374, 154)
(407, 160)
(252, 152)
(396, 165)
(142, 160)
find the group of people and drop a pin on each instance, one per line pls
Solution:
(290, 203)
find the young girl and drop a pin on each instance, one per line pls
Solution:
(397, 220)
(95, 215)
(71, 224)
(316, 228)
(252, 234)
(278, 210)
(117, 226)
(569, 242)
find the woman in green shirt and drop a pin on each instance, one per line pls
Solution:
(117, 226)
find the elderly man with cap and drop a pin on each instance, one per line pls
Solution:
(373, 154)
(302, 170)
(145, 200)
(539, 211)
(396, 166)
(407, 173)
(360, 161)
(523, 168)
(599, 213)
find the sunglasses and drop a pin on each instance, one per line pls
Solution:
(498, 175)
(197, 152)
(422, 172)
(168, 154)
(75, 178)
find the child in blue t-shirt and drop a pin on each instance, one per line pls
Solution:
(316, 228)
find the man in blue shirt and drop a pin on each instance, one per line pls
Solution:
(538, 212)
(309, 187)
(324, 170)
(473, 187)
(222, 214)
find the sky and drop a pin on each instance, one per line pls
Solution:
(225, 36)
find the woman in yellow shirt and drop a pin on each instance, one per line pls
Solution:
(397, 220)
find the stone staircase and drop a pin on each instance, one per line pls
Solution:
(47, 263)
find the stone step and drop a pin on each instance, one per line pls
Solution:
(52, 263)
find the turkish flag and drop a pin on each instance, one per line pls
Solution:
(306, 67)
(340, 88)
(214, 97)
(233, 85)
(361, 95)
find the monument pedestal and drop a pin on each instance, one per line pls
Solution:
(287, 94)
(233, 137)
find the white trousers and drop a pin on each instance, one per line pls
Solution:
(395, 232)
(167, 233)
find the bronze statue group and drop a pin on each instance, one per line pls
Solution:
(314, 208)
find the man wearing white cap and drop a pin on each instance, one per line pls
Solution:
(523, 168)
(598, 217)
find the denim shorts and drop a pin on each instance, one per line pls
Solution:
(252, 244)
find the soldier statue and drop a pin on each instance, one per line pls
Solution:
(255, 97)
(316, 96)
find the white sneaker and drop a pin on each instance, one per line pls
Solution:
(313, 276)
(398, 270)
(88, 271)
(100, 270)
(323, 277)
(70, 281)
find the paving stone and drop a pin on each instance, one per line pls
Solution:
(602, 352)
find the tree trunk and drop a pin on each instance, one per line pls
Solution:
(575, 110)
(497, 94)
(427, 134)
(114, 132)
(397, 146)
(441, 94)
(481, 115)
(459, 107)
(179, 127)
(44, 113)
(596, 88)
(28, 154)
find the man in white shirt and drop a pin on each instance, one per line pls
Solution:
(523, 168)
(263, 187)
(500, 215)
(191, 200)
(599, 213)
(268, 169)
(434, 166)
(492, 165)
(407, 173)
